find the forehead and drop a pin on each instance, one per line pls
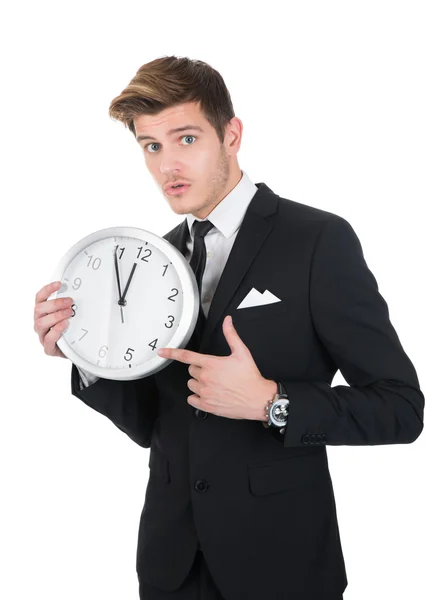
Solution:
(181, 114)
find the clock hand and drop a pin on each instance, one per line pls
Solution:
(122, 299)
(118, 283)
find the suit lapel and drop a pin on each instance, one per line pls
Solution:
(178, 237)
(252, 234)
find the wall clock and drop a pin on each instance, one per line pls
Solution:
(133, 293)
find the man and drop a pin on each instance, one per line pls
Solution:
(234, 509)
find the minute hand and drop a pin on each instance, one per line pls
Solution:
(122, 299)
(117, 275)
(118, 283)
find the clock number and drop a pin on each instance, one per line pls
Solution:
(122, 250)
(94, 262)
(85, 332)
(146, 250)
(171, 322)
(153, 344)
(73, 310)
(165, 269)
(130, 353)
(173, 295)
(102, 353)
(76, 284)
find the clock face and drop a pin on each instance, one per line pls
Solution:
(133, 294)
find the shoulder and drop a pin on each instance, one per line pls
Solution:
(304, 213)
(311, 222)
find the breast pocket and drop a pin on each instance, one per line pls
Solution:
(259, 312)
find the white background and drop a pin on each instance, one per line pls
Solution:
(332, 98)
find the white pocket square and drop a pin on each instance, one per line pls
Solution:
(255, 298)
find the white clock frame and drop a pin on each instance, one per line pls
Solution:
(190, 301)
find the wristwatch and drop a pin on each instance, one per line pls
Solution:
(277, 409)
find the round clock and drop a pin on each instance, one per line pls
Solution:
(133, 293)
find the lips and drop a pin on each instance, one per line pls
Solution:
(175, 191)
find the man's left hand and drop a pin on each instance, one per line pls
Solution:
(228, 386)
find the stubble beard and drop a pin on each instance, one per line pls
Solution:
(217, 183)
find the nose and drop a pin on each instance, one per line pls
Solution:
(169, 163)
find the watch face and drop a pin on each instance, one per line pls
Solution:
(279, 413)
(133, 293)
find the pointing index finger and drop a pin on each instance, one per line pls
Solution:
(186, 356)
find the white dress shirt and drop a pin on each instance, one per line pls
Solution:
(226, 217)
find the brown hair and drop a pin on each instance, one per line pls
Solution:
(167, 81)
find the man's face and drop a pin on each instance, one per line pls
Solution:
(193, 156)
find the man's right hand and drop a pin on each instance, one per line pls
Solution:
(51, 318)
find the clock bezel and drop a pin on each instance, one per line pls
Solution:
(191, 302)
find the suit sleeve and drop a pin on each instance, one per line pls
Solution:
(131, 405)
(383, 403)
(86, 378)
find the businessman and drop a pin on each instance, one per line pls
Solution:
(239, 504)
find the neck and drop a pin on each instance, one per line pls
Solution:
(233, 180)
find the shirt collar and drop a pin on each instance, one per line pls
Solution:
(227, 216)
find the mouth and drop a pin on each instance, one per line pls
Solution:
(181, 189)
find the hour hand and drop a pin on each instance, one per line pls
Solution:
(128, 283)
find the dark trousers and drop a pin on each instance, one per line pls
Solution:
(198, 585)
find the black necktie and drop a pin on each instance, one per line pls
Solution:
(198, 264)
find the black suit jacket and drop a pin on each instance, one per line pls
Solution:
(262, 506)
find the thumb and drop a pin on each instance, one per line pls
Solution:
(235, 343)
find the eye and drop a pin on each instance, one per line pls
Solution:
(152, 144)
(189, 136)
(182, 138)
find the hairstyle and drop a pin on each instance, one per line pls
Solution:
(171, 80)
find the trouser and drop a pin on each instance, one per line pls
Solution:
(198, 585)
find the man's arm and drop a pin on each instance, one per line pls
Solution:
(383, 403)
(131, 405)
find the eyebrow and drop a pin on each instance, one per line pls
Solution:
(171, 131)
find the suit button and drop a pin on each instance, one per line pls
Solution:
(201, 485)
(324, 438)
(318, 438)
(305, 439)
(200, 414)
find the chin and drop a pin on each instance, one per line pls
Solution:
(179, 208)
